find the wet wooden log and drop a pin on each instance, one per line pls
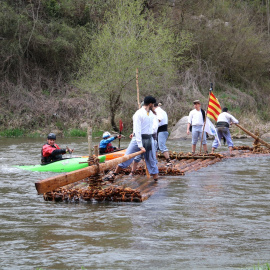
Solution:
(180, 156)
(187, 166)
(55, 182)
(184, 163)
(203, 164)
(112, 193)
(254, 136)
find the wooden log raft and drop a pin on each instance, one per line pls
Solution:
(55, 182)
(138, 188)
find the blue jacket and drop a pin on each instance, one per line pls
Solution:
(103, 143)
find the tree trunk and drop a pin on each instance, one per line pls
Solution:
(114, 105)
(115, 128)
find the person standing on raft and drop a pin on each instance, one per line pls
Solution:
(162, 132)
(51, 152)
(224, 120)
(142, 139)
(196, 121)
(105, 145)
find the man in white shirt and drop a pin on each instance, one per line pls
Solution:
(137, 159)
(196, 121)
(223, 122)
(142, 139)
(162, 132)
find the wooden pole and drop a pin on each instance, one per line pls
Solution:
(89, 134)
(58, 181)
(138, 91)
(96, 151)
(254, 136)
(210, 90)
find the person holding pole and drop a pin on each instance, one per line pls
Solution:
(137, 159)
(142, 139)
(195, 124)
(224, 120)
(105, 145)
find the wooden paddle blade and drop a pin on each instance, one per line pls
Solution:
(120, 125)
(58, 181)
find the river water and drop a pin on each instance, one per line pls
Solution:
(215, 218)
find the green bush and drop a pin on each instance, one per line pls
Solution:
(76, 133)
(14, 132)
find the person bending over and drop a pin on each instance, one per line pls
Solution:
(223, 122)
(142, 139)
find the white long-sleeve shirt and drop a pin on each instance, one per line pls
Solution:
(195, 118)
(142, 124)
(226, 117)
(161, 116)
(155, 124)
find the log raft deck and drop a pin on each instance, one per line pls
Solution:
(138, 188)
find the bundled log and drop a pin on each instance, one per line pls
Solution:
(257, 149)
(113, 194)
(182, 155)
(254, 136)
(163, 170)
(55, 182)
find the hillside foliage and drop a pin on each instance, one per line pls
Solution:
(66, 62)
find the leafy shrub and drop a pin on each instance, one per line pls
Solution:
(13, 132)
(76, 133)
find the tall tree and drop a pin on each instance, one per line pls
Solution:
(130, 38)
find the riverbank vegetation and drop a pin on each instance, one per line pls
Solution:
(66, 63)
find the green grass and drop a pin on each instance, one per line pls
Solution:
(75, 133)
(33, 135)
(82, 133)
(13, 132)
(17, 132)
(97, 133)
(259, 267)
(264, 115)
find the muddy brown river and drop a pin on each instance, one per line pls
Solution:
(215, 218)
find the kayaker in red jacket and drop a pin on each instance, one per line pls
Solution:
(51, 151)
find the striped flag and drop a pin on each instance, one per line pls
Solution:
(214, 108)
(210, 129)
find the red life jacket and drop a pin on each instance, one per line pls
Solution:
(48, 149)
(46, 153)
(109, 148)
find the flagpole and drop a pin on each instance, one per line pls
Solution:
(210, 90)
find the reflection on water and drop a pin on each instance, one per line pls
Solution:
(215, 218)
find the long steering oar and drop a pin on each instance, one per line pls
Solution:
(254, 136)
(120, 129)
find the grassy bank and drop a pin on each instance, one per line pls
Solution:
(17, 133)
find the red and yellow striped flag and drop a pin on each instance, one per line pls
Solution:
(214, 108)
